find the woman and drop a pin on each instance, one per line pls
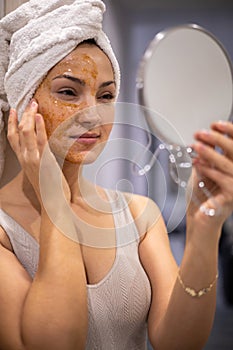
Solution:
(60, 291)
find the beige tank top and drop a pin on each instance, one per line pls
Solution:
(118, 305)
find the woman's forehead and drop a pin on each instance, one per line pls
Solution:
(85, 55)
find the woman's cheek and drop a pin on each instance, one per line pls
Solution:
(54, 117)
(52, 122)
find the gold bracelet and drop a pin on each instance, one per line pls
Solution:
(194, 293)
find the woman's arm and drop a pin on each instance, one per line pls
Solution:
(51, 311)
(178, 320)
(56, 304)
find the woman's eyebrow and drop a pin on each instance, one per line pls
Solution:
(74, 79)
(107, 83)
(81, 81)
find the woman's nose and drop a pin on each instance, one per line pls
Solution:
(89, 117)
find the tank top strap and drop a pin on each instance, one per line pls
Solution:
(126, 230)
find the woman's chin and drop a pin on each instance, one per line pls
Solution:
(82, 158)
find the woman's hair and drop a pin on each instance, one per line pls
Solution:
(90, 42)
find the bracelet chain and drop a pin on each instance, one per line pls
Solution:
(197, 293)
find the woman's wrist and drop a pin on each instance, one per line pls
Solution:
(205, 228)
(201, 252)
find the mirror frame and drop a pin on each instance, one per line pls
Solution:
(146, 57)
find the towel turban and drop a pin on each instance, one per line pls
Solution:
(35, 37)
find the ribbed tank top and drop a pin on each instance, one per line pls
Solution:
(118, 305)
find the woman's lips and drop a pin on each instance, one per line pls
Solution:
(87, 138)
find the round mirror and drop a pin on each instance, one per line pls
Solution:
(185, 78)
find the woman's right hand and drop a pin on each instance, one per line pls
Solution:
(28, 140)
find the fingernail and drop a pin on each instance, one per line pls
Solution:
(205, 131)
(221, 125)
(202, 132)
(12, 112)
(200, 145)
(38, 118)
(33, 103)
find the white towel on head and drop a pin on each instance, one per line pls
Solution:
(36, 36)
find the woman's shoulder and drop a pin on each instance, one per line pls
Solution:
(140, 202)
(144, 210)
(6, 194)
(12, 199)
(7, 200)
(4, 202)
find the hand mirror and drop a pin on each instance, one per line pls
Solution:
(185, 81)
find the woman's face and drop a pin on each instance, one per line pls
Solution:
(75, 102)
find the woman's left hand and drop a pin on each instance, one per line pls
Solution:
(215, 170)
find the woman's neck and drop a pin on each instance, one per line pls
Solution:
(74, 177)
(83, 192)
(26, 194)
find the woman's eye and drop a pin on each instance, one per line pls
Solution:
(107, 97)
(67, 92)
